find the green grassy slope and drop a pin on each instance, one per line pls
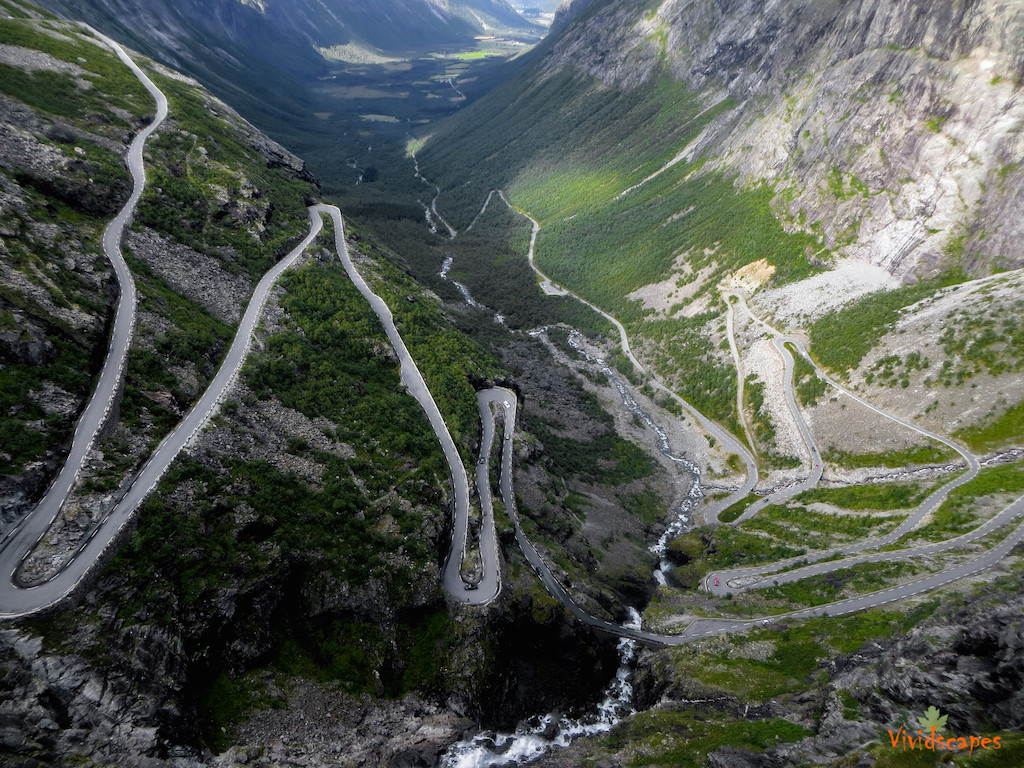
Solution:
(566, 148)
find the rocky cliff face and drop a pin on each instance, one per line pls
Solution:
(964, 660)
(566, 13)
(891, 129)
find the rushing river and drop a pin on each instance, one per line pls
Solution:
(466, 295)
(536, 736)
(681, 516)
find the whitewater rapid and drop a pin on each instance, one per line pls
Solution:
(534, 737)
(681, 516)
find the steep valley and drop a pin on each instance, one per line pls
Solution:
(233, 577)
(340, 82)
(705, 191)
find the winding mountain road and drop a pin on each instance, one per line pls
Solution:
(810, 447)
(507, 398)
(451, 575)
(21, 539)
(702, 628)
(727, 439)
(742, 579)
(17, 600)
(730, 334)
(972, 462)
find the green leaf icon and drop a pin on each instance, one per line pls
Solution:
(933, 719)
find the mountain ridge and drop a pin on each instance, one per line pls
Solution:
(300, 538)
(898, 96)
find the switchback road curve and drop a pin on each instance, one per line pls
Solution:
(451, 575)
(16, 600)
(701, 628)
(22, 538)
(810, 447)
(727, 439)
(741, 579)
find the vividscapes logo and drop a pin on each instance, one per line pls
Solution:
(928, 736)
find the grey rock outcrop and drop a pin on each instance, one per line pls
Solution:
(567, 13)
(56, 705)
(968, 664)
(323, 726)
(28, 152)
(200, 277)
(22, 340)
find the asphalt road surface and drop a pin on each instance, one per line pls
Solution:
(451, 575)
(728, 441)
(16, 600)
(701, 628)
(742, 579)
(21, 539)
